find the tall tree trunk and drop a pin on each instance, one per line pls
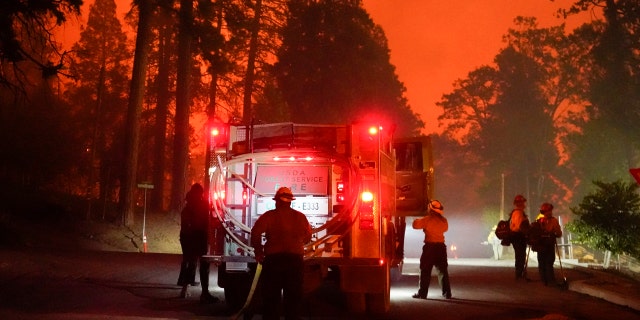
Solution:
(95, 140)
(181, 142)
(136, 94)
(247, 112)
(161, 112)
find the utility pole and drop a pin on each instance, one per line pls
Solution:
(502, 199)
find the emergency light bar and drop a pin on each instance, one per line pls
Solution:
(292, 158)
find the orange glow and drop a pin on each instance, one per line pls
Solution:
(442, 39)
(447, 39)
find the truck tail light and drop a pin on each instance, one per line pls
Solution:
(366, 221)
(218, 134)
(340, 187)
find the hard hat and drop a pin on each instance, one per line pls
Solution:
(519, 199)
(436, 206)
(546, 207)
(284, 194)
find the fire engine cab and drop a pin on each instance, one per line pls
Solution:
(354, 183)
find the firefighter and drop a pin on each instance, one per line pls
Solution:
(519, 226)
(194, 224)
(286, 232)
(550, 230)
(434, 251)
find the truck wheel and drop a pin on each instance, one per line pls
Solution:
(356, 302)
(378, 303)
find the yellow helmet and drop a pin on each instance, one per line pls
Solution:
(436, 206)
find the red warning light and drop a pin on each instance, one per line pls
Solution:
(218, 134)
(366, 221)
(340, 188)
(367, 196)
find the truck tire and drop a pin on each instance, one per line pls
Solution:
(378, 303)
(356, 302)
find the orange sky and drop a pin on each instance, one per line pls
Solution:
(434, 43)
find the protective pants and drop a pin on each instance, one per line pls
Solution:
(519, 243)
(434, 255)
(282, 276)
(546, 259)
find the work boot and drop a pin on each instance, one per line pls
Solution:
(206, 298)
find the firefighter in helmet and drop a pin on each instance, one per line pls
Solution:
(549, 230)
(434, 250)
(286, 231)
(519, 225)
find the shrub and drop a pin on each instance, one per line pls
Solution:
(609, 218)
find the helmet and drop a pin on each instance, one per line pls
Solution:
(284, 194)
(436, 206)
(519, 199)
(546, 207)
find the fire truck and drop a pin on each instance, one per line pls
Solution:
(355, 184)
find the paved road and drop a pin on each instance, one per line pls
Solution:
(116, 285)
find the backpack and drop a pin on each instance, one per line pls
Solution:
(503, 232)
(538, 238)
(534, 238)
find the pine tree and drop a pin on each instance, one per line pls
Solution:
(334, 67)
(100, 68)
(134, 109)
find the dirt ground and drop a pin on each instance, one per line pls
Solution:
(69, 232)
